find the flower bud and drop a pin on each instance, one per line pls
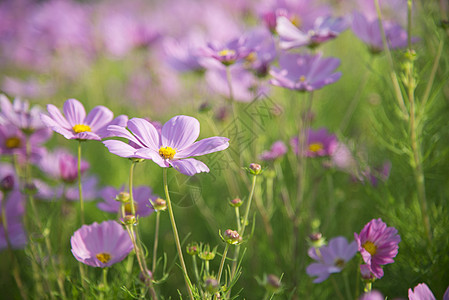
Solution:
(316, 240)
(129, 220)
(7, 183)
(193, 248)
(366, 274)
(211, 284)
(205, 107)
(206, 254)
(30, 189)
(272, 283)
(122, 197)
(237, 202)
(254, 169)
(159, 204)
(232, 237)
(144, 278)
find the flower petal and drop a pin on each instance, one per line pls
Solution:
(119, 131)
(189, 166)
(119, 148)
(145, 132)
(180, 132)
(205, 146)
(74, 112)
(57, 117)
(98, 117)
(121, 120)
(146, 153)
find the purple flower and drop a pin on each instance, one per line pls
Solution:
(14, 210)
(172, 147)
(318, 143)
(62, 165)
(89, 186)
(420, 292)
(76, 125)
(373, 295)
(331, 258)
(263, 51)
(227, 53)
(323, 29)
(101, 245)
(142, 196)
(377, 174)
(378, 245)
(305, 72)
(182, 55)
(277, 150)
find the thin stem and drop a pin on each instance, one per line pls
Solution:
(237, 216)
(156, 239)
(175, 234)
(337, 289)
(220, 270)
(347, 289)
(131, 198)
(80, 188)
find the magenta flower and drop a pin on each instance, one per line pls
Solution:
(172, 147)
(378, 245)
(420, 292)
(318, 143)
(305, 72)
(14, 210)
(62, 165)
(101, 245)
(323, 29)
(277, 150)
(76, 125)
(373, 295)
(331, 258)
(142, 196)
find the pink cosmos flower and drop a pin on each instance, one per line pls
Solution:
(277, 150)
(331, 258)
(142, 196)
(101, 245)
(420, 292)
(62, 165)
(378, 245)
(226, 53)
(173, 146)
(76, 125)
(305, 72)
(319, 143)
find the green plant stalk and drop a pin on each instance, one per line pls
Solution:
(80, 188)
(156, 240)
(223, 258)
(175, 234)
(131, 198)
(337, 290)
(105, 282)
(237, 217)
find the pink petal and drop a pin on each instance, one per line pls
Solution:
(205, 146)
(189, 166)
(98, 117)
(74, 112)
(145, 132)
(180, 132)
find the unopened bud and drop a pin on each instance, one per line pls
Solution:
(316, 240)
(144, 278)
(366, 274)
(206, 254)
(232, 237)
(237, 202)
(159, 204)
(193, 248)
(255, 169)
(129, 220)
(205, 107)
(211, 284)
(273, 283)
(7, 183)
(122, 197)
(30, 189)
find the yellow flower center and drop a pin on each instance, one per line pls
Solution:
(167, 152)
(302, 78)
(103, 257)
(339, 263)
(226, 52)
(296, 21)
(315, 147)
(128, 209)
(370, 247)
(252, 57)
(13, 142)
(81, 128)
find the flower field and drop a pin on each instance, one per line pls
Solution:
(275, 149)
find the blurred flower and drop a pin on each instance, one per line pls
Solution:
(263, 51)
(159, 204)
(61, 165)
(378, 245)
(101, 245)
(277, 150)
(89, 186)
(420, 292)
(183, 54)
(30, 88)
(331, 258)
(226, 53)
(14, 210)
(373, 295)
(324, 29)
(142, 196)
(305, 72)
(318, 143)
(172, 147)
(377, 174)
(75, 124)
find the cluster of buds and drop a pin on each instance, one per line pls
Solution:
(193, 248)
(159, 204)
(236, 202)
(232, 237)
(206, 254)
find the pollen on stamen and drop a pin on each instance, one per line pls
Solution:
(13, 142)
(103, 257)
(167, 152)
(315, 147)
(302, 78)
(226, 52)
(370, 247)
(81, 128)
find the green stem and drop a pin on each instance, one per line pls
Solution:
(176, 236)
(156, 240)
(220, 270)
(80, 188)
(131, 198)
(337, 289)
(237, 216)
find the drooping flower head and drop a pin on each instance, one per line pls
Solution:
(277, 150)
(76, 125)
(331, 258)
(142, 196)
(420, 292)
(173, 146)
(101, 245)
(378, 245)
(305, 72)
(318, 143)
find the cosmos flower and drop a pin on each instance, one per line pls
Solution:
(101, 245)
(420, 292)
(172, 147)
(331, 258)
(277, 150)
(304, 72)
(62, 165)
(226, 53)
(378, 245)
(372, 295)
(76, 125)
(318, 143)
(323, 29)
(263, 51)
(142, 196)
